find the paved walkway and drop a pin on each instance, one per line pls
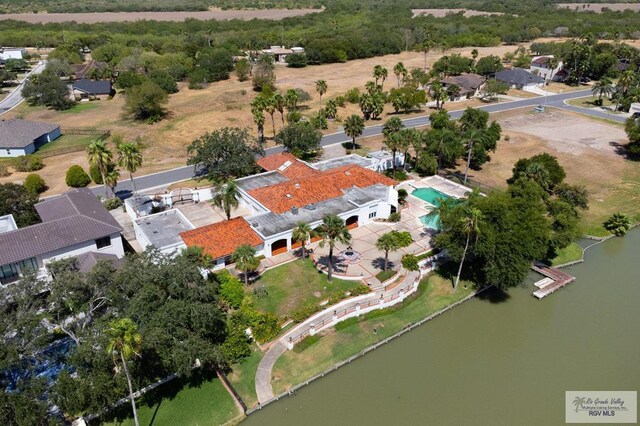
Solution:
(325, 319)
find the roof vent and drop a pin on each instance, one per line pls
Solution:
(255, 224)
(297, 185)
(294, 210)
(348, 173)
(288, 195)
(310, 207)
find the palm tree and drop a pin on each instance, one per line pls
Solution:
(302, 233)
(442, 142)
(226, 197)
(331, 109)
(321, 88)
(625, 82)
(125, 341)
(353, 127)
(100, 156)
(602, 87)
(474, 54)
(472, 136)
(246, 261)
(333, 230)
(386, 243)
(270, 108)
(393, 125)
(393, 141)
(471, 227)
(279, 104)
(426, 46)
(438, 94)
(399, 70)
(618, 224)
(539, 174)
(111, 180)
(378, 73)
(578, 402)
(258, 119)
(291, 99)
(130, 158)
(407, 139)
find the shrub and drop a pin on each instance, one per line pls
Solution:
(346, 323)
(112, 203)
(618, 224)
(296, 60)
(340, 101)
(361, 289)
(353, 95)
(265, 326)
(231, 290)
(35, 184)
(402, 196)
(293, 116)
(427, 165)
(28, 163)
(236, 345)
(395, 217)
(410, 262)
(4, 171)
(304, 313)
(77, 177)
(398, 175)
(94, 173)
(305, 343)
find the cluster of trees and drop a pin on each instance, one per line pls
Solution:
(499, 235)
(117, 322)
(47, 89)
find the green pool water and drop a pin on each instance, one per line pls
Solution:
(430, 195)
(431, 222)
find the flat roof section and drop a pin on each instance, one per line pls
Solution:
(163, 229)
(347, 160)
(260, 181)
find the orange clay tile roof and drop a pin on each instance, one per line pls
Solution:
(287, 165)
(222, 238)
(321, 186)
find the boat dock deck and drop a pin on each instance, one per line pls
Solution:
(554, 279)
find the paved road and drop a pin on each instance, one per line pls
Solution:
(558, 101)
(15, 97)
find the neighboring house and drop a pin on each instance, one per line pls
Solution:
(541, 66)
(280, 53)
(12, 53)
(634, 109)
(518, 78)
(21, 137)
(74, 224)
(82, 71)
(471, 85)
(292, 191)
(162, 230)
(91, 89)
(383, 160)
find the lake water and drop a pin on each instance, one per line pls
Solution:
(493, 363)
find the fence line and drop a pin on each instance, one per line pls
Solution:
(100, 135)
(364, 351)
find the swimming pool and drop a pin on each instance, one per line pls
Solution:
(430, 195)
(431, 222)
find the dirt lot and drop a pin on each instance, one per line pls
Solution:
(591, 7)
(585, 148)
(218, 14)
(439, 13)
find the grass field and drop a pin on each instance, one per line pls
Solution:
(199, 402)
(243, 377)
(435, 293)
(571, 253)
(589, 102)
(81, 106)
(295, 285)
(67, 141)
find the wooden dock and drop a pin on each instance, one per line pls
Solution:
(555, 279)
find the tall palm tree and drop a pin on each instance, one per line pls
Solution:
(471, 227)
(602, 87)
(226, 197)
(392, 241)
(270, 108)
(393, 141)
(625, 82)
(333, 230)
(321, 88)
(301, 234)
(471, 137)
(438, 94)
(246, 261)
(353, 127)
(100, 156)
(111, 180)
(399, 70)
(442, 142)
(258, 119)
(380, 73)
(125, 342)
(331, 109)
(130, 158)
(426, 46)
(291, 99)
(279, 104)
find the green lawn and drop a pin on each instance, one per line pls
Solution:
(435, 293)
(568, 254)
(81, 106)
(66, 141)
(589, 102)
(295, 285)
(200, 402)
(243, 377)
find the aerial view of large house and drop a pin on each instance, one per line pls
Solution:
(518, 78)
(12, 53)
(74, 224)
(280, 53)
(289, 191)
(21, 137)
(544, 67)
(91, 89)
(81, 71)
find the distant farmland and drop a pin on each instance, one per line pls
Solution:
(440, 13)
(597, 7)
(92, 18)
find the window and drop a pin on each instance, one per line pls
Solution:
(103, 242)
(29, 265)
(8, 273)
(372, 215)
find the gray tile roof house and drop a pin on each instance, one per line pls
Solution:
(22, 133)
(67, 220)
(518, 77)
(93, 87)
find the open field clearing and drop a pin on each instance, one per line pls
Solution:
(217, 14)
(597, 7)
(440, 13)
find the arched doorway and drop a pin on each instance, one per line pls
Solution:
(278, 247)
(352, 222)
